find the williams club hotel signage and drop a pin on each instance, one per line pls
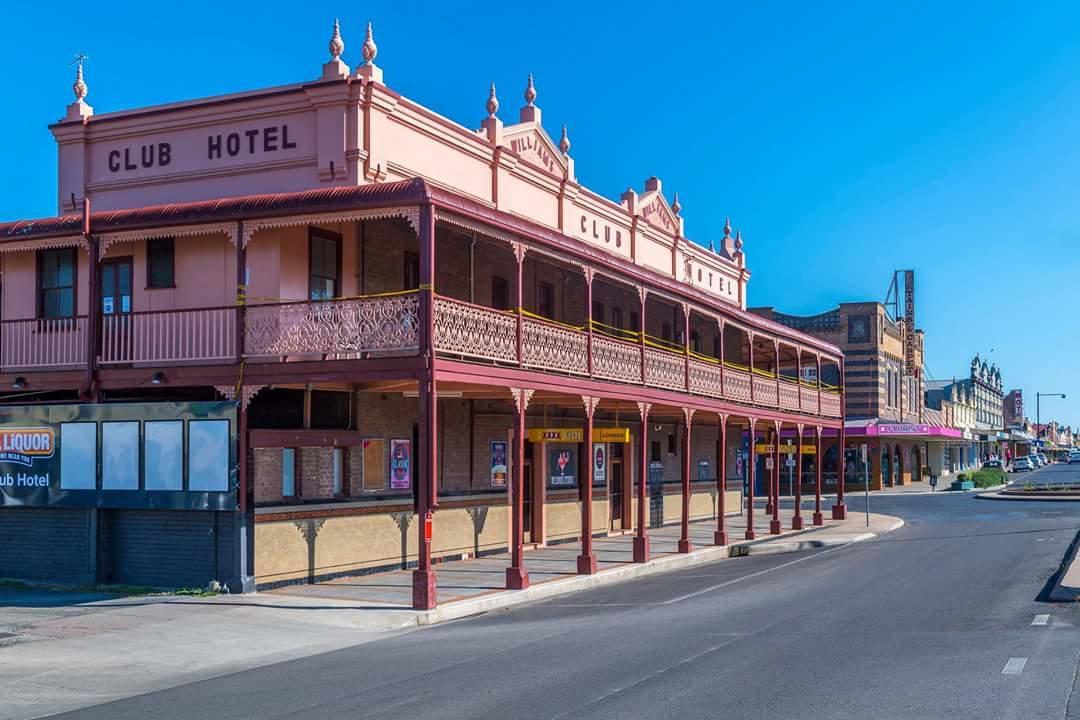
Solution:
(179, 456)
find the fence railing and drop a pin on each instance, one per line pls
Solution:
(43, 343)
(169, 336)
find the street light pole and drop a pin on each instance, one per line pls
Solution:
(1038, 411)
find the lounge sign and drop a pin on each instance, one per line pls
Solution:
(117, 455)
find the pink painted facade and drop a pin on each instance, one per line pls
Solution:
(468, 263)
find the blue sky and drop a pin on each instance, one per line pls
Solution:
(846, 142)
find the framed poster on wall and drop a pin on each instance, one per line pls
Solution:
(373, 451)
(400, 464)
(498, 463)
(600, 463)
(562, 467)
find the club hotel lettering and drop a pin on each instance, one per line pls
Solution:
(345, 316)
(248, 142)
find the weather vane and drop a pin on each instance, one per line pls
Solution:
(80, 58)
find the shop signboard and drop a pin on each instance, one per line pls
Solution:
(576, 435)
(177, 456)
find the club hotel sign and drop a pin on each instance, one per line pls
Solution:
(190, 150)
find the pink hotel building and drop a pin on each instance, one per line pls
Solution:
(435, 343)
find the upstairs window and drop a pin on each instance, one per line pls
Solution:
(56, 283)
(160, 263)
(598, 311)
(616, 318)
(325, 263)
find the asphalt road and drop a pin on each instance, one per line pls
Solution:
(918, 624)
(1055, 474)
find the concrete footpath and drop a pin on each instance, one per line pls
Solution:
(63, 651)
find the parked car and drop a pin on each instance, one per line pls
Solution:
(1021, 464)
(1035, 462)
(993, 463)
(1043, 459)
(1074, 456)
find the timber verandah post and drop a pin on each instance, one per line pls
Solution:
(517, 577)
(751, 467)
(774, 524)
(684, 537)
(819, 461)
(93, 311)
(641, 540)
(424, 583)
(839, 511)
(720, 537)
(796, 475)
(586, 562)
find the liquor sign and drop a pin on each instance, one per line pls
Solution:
(122, 455)
(576, 435)
(400, 464)
(769, 448)
(562, 467)
(498, 463)
(910, 365)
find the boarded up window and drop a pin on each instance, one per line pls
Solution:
(374, 464)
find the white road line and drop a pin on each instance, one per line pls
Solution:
(1040, 620)
(709, 589)
(1015, 666)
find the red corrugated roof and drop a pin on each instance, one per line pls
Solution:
(234, 208)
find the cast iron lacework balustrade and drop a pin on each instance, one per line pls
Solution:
(616, 360)
(333, 327)
(705, 378)
(736, 385)
(765, 391)
(789, 395)
(665, 369)
(473, 331)
(809, 400)
(554, 347)
(830, 405)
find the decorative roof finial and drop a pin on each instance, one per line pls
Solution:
(727, 228)
(564, 142)
(712, 245)
(738, 239)
(337, 45)
(369, 49)
(530, 91)
(79, 87)
(675, 205)
(492, 102)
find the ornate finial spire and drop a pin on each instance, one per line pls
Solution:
(738, 239)
(369, 49)
(564, 142)
(337, 45)
(79, 87)
(712, 245)
(727, 228)
(675, 205)
(492, 102)
(530, 91)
